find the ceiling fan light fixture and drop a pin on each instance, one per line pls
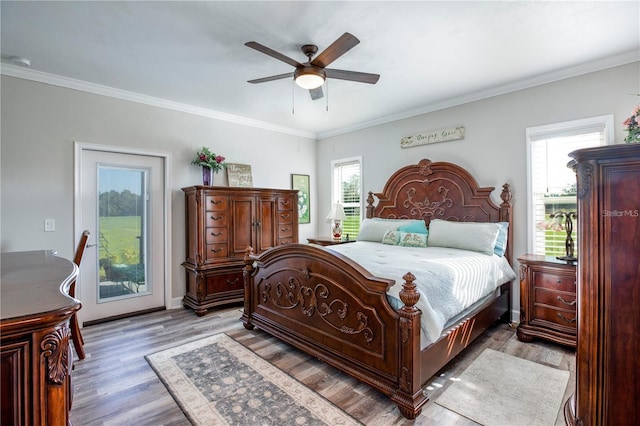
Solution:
(309, 77)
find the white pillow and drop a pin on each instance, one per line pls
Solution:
(374, 229)
(474, 236)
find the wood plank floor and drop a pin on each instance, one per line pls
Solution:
(114, 385)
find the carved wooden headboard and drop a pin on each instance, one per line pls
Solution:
(440, 190)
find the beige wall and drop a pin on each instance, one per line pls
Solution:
(41, 122)
(493, 149)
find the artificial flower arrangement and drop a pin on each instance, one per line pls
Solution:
(632, 126)
(208, 159)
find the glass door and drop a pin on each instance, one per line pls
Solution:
(122, 199)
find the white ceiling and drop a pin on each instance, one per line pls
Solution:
(191, 55)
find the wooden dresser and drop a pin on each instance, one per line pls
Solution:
(35, 349)
(547, 300)
(608, 353)
(221, 222)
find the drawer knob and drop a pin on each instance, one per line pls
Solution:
(284, 229)
(216, 234)
(565, 319)
(560, 298)
(216, 217)
(214, 202)
(233, 282)
(285, 215)
(218, 250)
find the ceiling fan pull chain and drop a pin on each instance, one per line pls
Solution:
(326, 84)
(293, 97)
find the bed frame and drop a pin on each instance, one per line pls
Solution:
(330, 307)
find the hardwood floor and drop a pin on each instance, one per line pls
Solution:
(114, 385)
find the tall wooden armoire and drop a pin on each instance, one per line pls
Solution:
(608, 350)
(221, 222)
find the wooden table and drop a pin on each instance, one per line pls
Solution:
(35, 350)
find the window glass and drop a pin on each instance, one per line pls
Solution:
(346, 189)
(552, 184)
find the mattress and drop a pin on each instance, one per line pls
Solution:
(449, 280)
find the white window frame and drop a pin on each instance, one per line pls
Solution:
(335, 188)
(603, 122)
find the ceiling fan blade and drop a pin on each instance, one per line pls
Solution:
(338, 48)
(273, 77)
(264, 49)
(360, 77)
(316, 93)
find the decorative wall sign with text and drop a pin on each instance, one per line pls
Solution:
(239, 175)
(434, 136)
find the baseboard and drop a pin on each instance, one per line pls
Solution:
(176, 303)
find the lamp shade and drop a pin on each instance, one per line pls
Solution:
(337, 212)
(309, 77)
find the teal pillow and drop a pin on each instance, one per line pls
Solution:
(410, 239)
(415, 227)
(501, 241)
(391, 237)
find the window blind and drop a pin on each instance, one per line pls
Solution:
(553, 184)
(347, 190)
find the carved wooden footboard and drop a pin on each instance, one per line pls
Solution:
(333, 309)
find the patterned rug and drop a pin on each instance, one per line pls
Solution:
(499, 389)
(217, 381)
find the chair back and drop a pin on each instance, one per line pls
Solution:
(81, 246)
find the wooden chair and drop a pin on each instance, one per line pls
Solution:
(76, 335)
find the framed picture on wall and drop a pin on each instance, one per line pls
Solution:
(301, 183)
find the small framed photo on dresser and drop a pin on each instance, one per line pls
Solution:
(301, 183)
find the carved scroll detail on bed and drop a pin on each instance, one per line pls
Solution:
(439, 190)
(316, 299)
(342, 310)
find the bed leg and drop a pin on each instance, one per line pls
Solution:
(247, 271)
(409, 396)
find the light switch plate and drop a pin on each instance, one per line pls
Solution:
(49, 225)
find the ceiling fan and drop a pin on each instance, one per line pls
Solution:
(312, 74)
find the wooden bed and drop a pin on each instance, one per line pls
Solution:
(330, 307)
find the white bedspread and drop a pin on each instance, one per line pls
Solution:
(449, 280)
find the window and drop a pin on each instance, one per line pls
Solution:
(551, 184)
(346, 189)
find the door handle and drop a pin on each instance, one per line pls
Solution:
(91, 245)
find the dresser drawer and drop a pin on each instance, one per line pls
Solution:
(215, 203)
(285, 217)
(562, 317)
(214, 251)
(558, 299)
(285, 203)
(225, 282)
(285, 230)
(554, 281)
(214, 219)
(216, 235)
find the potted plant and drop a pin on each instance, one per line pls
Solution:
(210, 163)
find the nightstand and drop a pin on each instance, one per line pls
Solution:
(328, 241)
(547, 300)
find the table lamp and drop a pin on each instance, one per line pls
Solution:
(336, 216)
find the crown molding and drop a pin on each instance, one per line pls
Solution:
(586, 68)
(98, 89)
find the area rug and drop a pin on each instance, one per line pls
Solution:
(498, 389)
(217, 381)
